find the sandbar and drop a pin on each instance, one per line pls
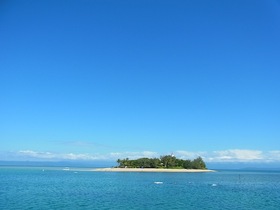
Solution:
(152, 170)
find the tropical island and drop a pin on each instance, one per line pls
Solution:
(167, 163)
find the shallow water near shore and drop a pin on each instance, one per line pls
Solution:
(68, 188)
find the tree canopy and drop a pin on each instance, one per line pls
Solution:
(167, 161)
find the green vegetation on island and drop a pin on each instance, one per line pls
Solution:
(167, 161)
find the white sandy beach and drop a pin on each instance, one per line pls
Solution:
(152, 170)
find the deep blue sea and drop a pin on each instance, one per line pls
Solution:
(54, 188)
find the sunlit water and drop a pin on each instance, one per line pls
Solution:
(54, 188)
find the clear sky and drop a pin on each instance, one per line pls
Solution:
(103, 79)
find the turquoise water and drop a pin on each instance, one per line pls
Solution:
(54, 188)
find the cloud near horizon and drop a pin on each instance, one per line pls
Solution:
(49, 156)
(238, 155)
(222, 156)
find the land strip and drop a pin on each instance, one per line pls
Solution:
(153, 170)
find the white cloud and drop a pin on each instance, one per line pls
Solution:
(188, 155)
(222, 156)
(34, 154)
(57, 156)
(134, 155)
(273, 156)
(30, 154)
(236, 155)
(232, 155)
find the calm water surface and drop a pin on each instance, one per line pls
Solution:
(54, 188)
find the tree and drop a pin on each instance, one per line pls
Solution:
(180, 163)
(155, 163)
(168, 161)
(187, 164)
(198, 163)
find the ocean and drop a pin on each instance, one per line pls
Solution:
(74, 188)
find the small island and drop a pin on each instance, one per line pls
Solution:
(167, 163)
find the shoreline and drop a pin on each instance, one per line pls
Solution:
(153, 170)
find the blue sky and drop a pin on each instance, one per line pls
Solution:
(101, 80)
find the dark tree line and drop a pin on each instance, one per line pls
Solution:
(167, 161)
